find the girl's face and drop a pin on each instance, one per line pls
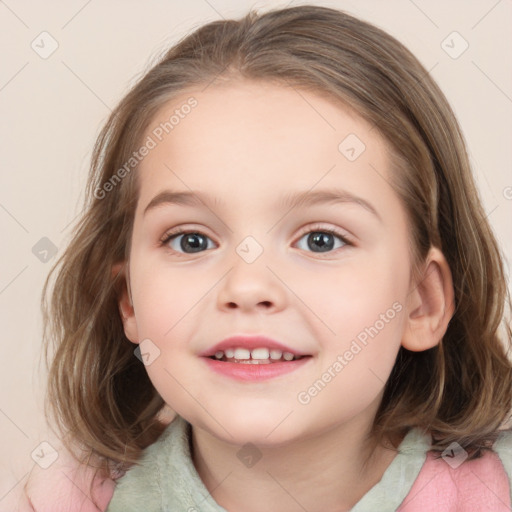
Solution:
(262, 263)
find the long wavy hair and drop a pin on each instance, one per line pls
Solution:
(100, 394)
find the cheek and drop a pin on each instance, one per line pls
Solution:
(360, 347)
(345, 300)
(164, 297)
(167, 314)
(359, 320)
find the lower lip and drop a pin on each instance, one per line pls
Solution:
(255, 372)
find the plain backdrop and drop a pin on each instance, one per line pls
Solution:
(65, 65)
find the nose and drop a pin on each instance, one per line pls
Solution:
(252, 287)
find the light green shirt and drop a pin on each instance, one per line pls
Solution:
(167, 480)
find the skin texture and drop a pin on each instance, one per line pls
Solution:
(62, 487)
(248, 145)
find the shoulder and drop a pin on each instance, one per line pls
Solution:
(65, 486)
(141, 484)
(478, 485)
(503, 447)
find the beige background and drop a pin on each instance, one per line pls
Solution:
(52, 109)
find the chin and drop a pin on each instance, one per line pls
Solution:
(262, 428)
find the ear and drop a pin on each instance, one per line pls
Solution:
(431, 305)
(121, 277)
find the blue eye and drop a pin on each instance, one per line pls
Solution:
(323, 240)
(190, 243)
(318, 240)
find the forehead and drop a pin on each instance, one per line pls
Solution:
(246, 139)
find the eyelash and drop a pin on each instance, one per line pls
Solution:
(334, 232)
(168, 236)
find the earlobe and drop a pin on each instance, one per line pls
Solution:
(430, 305)
(121, 277)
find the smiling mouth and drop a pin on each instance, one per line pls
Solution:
(255, 356)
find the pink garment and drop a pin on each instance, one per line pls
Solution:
(479, 485)
(63, 487)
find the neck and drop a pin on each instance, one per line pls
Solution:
(328, 472)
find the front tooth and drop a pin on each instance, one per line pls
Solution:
(229, 353)
(241, 353)
(260, 353)
(276, 354)
(288, 356)
(219, 354)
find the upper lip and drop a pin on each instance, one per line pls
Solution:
(250, 343)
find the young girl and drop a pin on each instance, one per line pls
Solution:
(283, 245)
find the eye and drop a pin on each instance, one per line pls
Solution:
(320, 240)
(188, 242)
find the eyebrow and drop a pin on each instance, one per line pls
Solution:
(292, 200)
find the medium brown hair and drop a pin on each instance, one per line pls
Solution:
(460, 390)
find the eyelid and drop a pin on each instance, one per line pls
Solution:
(318, 226)
(347, 239)
(174, 232)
